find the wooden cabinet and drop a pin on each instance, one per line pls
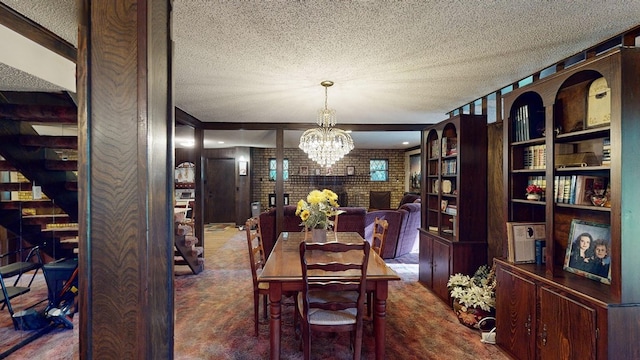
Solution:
(516, 314)
(453, 238)
(552, 133)
(434, 265)
(536, 319)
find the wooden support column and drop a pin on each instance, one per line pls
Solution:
(125, 121)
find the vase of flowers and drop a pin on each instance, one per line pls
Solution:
(534, 192)
(316, 212)
(474, 296)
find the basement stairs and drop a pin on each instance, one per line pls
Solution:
(39, 177)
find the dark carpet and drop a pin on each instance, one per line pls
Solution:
(214, 318)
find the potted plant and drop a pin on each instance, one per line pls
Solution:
(534, 192)
(473, 296)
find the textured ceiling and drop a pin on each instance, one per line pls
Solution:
(392, 62)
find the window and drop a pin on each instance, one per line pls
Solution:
(379, 169)
(272, 170)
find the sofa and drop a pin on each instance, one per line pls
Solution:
(353, 220)
(402, 232)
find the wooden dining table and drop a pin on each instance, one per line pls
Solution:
(284, 274)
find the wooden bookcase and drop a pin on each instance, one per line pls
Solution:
(454, 227)
(544, 310)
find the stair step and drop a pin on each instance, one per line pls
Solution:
(61, 165)
(190, 240)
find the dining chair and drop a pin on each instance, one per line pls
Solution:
(257, 260)
(380, 229)
(334, 305)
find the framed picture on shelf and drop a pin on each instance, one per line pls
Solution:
(242, 168)
(589, 250)
(304, 170)
(351, 170)
(443, 205)
(318, 171)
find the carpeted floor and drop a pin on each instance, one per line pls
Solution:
(218, 227)
(214, 318)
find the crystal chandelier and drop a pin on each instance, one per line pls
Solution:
(326, 144)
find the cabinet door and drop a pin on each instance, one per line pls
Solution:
(441, 269)
(425, 261)
(515, 314)
(567, 329)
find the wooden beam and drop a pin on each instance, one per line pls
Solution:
(39, 113)
(35, 32)
(56, 142)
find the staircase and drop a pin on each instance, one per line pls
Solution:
(187, 253)
(39, 177)
(39, 196)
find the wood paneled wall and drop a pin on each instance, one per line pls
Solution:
(496, 230)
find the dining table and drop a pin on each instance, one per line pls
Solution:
(283, 272)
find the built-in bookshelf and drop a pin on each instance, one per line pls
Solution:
(453, 234)
(583, 121)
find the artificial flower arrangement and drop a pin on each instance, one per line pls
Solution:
(477, 291)
(534, 189)
(318, 208)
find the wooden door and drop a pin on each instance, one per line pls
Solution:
(425, 261)
(220, 191)
(441, 269)
(515, 314)
(567, 328)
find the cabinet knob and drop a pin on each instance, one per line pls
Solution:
(527, 325)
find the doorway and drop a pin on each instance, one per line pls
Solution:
(220, 191)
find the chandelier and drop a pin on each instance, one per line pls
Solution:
(326, 144)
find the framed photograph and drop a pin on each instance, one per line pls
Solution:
(351, 170)
(242, 168)
(318, 171)
(304, 170)
(443, 205)
(589, 251)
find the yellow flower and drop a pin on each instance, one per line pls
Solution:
(317, 211)
(301, 205)
(315, 197)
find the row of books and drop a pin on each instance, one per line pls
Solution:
(451, 210)
(435, 149)
(606, 151)
(526, 242)
(577, 189)
(539, 180)
(535, 157)
(522, 126)
(450, 167)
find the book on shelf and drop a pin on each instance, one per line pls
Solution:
(541, 251)
(451, 210)
(521, 239)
